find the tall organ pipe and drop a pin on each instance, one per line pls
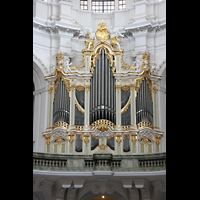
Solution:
(103, 94)
(61, 104)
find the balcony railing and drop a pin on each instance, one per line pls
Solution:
(108, 162)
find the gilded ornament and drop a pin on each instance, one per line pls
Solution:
(48, 138)
(102, 127)
(102, 33)
(50, 89)
(80, 87)
(72, 87)
(155, 89)
(118, 88)
(118, 138)
(114, 41)
(87, 88)
(158, 139)
(86, 139)
(102, 146)
(71, 138)
(125, 87)
(89, 43)
(132, 86)
(134, 137)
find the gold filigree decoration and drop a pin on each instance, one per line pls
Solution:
(102, 32)
(145, 140)
(86, 138)
(114, 40)
(125, 87)
(87, 88)
(155, 89)
(102, 121)
(48, 139)
(118, 138)
(158, 139)
(61, 124)
(59, 140)
(50, 89)
(144, 124)
(80, 88)
(102, 146)
(102, 127)
(134, 137)
(71, 138)
(118, 88)
(97, 51)
(89, 42)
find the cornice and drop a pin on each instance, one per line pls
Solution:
(56, 27)
(148, 26)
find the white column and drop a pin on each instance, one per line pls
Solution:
(155, 107)
(89, 5)
(87, 105)
(133, 105)
(118, 104)
(72, 105)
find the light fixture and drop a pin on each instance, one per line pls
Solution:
(103, 197)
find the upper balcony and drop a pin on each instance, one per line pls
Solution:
(99, 162)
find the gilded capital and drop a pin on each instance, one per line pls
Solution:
(118, 88)
(132, 86)
(155, 89)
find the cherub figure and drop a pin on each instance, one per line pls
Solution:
(67, 64)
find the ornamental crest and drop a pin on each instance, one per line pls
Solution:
(102, 33)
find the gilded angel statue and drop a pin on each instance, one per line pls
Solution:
(89, 43)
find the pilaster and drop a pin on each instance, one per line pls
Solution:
(155, 106)
(133, 105)
(50, 106)
(72, 104)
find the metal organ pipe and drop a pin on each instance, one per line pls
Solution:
(61, 104)
(106, 87)
(103, 91)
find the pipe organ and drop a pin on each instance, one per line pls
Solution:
(61, 110)
(104, 105)
(144, 104)
(103, 92)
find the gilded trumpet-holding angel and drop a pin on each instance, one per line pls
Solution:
(89, 43)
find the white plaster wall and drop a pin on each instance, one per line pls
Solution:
(40, 109)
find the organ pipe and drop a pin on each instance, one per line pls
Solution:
(144, 105)
(103, 95)
(61, 104)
